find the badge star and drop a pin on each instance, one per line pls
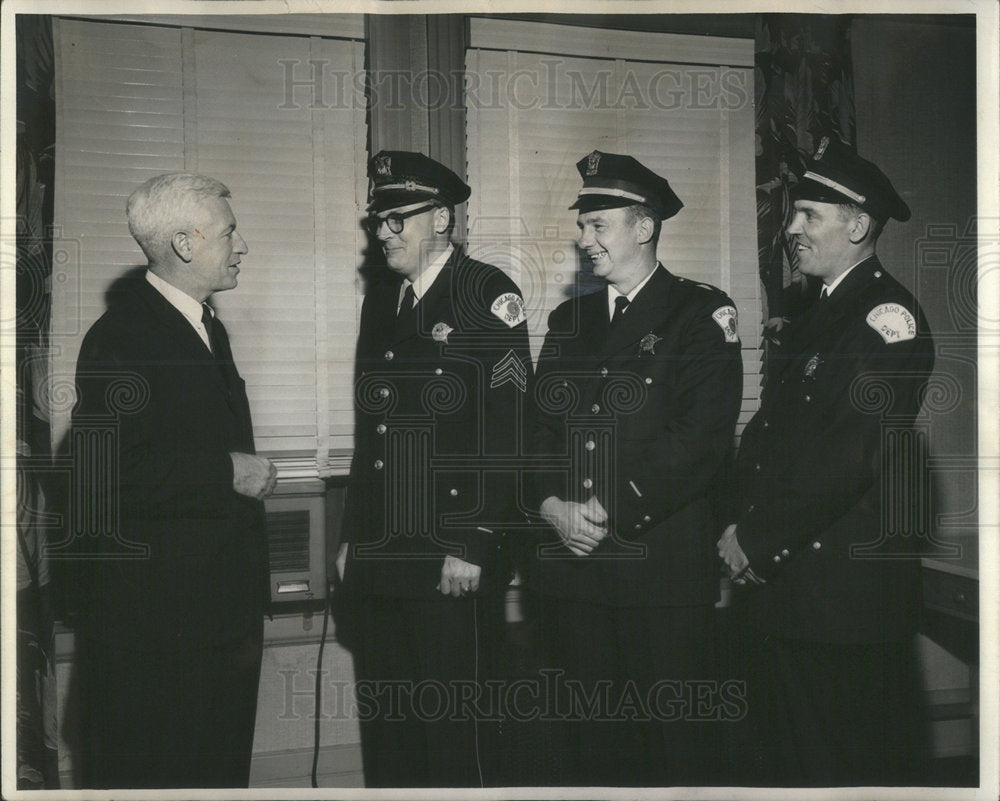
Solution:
(648, 343)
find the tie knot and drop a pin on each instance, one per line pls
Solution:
(620, 303)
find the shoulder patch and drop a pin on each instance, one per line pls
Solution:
(725, 316)
(510, 308)
(893, 322)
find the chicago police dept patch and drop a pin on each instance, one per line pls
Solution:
(510, 308)
(893, 322)
(725, 316)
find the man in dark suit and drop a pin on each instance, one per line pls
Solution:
(820, 533)
(638, 390)
(175, 568)
(442, 371)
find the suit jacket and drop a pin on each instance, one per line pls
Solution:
(175, 556)
(641, 416)
(829, 482)
(439, 429)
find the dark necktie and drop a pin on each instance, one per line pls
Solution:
(406, 316)
(208, 321)
(620, 303)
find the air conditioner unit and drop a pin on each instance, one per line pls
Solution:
(296, 535)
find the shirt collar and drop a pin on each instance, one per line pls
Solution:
(428, 276)
(177, 298)
(614, 293)
(836, 282)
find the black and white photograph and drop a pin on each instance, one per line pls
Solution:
(431, 399)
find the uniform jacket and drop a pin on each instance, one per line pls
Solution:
(439, 411)
(642, 417)
(156, 418)
(819, 460)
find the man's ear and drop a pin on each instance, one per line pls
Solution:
(860, 227)
(644, 230)
(182, 245)
(442, 219)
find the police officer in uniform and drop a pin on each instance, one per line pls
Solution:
(441, 375)
(638, 391)
(830, 577)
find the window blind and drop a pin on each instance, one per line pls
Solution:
(136, 100)
(535, 107)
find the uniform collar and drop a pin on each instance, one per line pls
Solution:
(840, 278)
(613, 293)
(427, 278)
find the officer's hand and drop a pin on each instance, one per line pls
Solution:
(732, 554)
(458, 577)
(253, 476)
(581, 526)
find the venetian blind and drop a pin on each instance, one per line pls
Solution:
(134, 101)
(538, 101)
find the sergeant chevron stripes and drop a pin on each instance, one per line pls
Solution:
(509, 368)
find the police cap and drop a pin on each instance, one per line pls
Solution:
(611, 181)
(836, 174)
(399, 177)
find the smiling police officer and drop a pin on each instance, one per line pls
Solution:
(441, 375)
(638, 390)
(824, 552)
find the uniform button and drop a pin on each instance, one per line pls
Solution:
(638, 526)
(604, 372)
(587, 483)
(595, 408)
(454, 492)
(379, 464)
(649, 380)
(807, 398)
(756, 467)
(646, 518)
(751, 507)
(590, 445)
(384, 392)
(438, 371)
(389, 355)
(878, 273)
(767, 424)
(785, 553)
(777, 558)
(380, 428)
(816, 546)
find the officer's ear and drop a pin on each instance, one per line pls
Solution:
(182, 246)
(442, 219)
(644, 229)
(860, 227)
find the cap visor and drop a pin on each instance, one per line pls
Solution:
(395, 198)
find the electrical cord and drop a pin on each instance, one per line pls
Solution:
(319, 683)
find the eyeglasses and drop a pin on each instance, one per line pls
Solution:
(372, 224)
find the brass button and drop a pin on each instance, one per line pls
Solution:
(807, 398)
(767, 424)
(649, 380)
(380, 428)
(454, 492)
(595, 408)
(587, 483)
(647, 518)
(389, 355)
(751, 507)
(756, 467)
(817, 546)
(438, 371)
(379, 464)
(590, 445)
(604, 372)
(384, 392)
(784, 553)
(777, 558)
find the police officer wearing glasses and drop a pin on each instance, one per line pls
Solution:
(442, 372)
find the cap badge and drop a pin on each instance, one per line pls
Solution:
(811, 365)
(648, 343)
(409, 186)
(824, 143)
(383, 165)
(592, 161)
